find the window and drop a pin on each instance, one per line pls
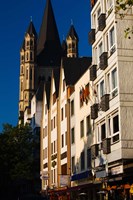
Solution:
(51, 124)
(101, 88)
(65, 110)
(114, 82)
(81, 97)
(54, 146)
(30, 73)
(103, 131)
(61, 114)
(27, 56)
(88, 158)
(21, 86)
(62, 140)
(82, 164)
(73, 165)
(115, 124)
(82, 128)
(72, 136)
(54, 122)
(108, 83)
(114, 79)
(66, 138)
(22, 57)
(88, 125)
(26, 73)
(51, 148)
(64, 84)
(98, 15)
(112, 40)
(31, 56)
(100, 49)
(72, 107)
(22, 69)
(28, 43)
(115, 129)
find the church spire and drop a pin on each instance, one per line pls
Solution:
(72, 42)
(49, 47)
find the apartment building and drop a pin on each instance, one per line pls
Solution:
(111, 79)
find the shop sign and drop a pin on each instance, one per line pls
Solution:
(101, 174)
(131, 189)
(117, 170)
(64, 180)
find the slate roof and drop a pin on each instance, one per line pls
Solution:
(64, 48)
(40, 90)
(48, 47)
(31, 31)
(74, 68)
(48, 89)
(56, 73)
(72, 33)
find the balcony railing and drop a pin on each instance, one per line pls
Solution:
(104, 102)
(91, 36)
(94, 111)
(93, 73)
(94, 151)
(101, 22)
(103, 60)
(106, 146)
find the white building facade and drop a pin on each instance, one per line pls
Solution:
(111, 80)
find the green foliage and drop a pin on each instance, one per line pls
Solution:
(122, 6)
(17, 153)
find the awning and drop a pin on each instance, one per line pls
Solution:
(82, 175)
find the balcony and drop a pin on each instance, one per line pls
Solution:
(94, 151)
(103, 60)
(93, 73)
(106, 146)
(94, 111)
(92, 36)
(104, 102)
(101, 22)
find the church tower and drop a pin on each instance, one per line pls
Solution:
(38, 56)
(49, 50)
(27, 70)
(72, 42)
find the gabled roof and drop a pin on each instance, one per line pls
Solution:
(40, 90)
(56, 74)
(48, 89)
(72, 33)
(74, 68)
(49, 47)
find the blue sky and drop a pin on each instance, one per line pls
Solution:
(15, 17)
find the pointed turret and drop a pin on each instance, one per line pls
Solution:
(31, 29)
(72, 42)
(49, 47)
(27, 69)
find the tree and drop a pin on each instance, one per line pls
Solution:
(17, 162)
(122, 7)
